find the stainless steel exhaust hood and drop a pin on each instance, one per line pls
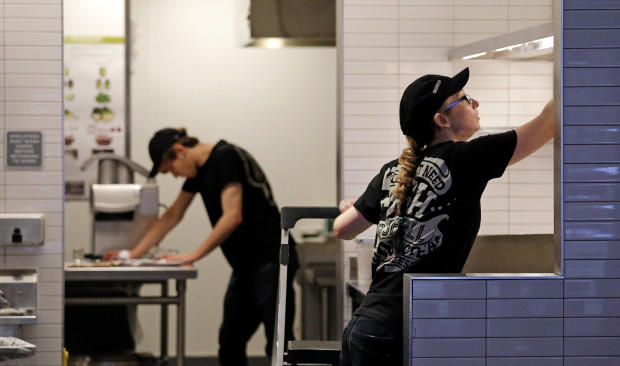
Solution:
(530, 43)
(281, 23)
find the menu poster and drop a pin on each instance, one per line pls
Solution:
(94, 106)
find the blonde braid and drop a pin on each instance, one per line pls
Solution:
(409, 161)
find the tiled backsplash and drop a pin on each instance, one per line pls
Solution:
(31, 100)
(389, 43)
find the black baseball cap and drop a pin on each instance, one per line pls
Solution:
(160, 143)
(422, 99)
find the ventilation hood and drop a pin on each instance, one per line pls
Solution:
(280, 23)
(530, 43)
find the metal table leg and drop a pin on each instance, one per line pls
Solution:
(164, 322)
(181, 322)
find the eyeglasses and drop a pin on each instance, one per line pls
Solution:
(466, 98)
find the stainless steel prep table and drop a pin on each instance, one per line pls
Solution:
(141, 275)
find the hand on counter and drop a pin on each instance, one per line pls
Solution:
(183, 258)
(118, 254)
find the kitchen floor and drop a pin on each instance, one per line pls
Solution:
(212, 361)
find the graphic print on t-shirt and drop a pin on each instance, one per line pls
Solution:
(255, 176)
(425, 211)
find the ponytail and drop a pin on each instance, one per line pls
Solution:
(409, 161)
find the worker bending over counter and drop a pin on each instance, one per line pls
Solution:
(246, 225)
(426, 204)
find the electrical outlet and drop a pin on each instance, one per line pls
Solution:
(22, 229)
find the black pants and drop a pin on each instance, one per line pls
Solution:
(367, 342)
(251, 299)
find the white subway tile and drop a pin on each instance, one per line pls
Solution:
(33, 25)
(43, 331)
(33, 1)
(494, 203)
(426, 12)
(488, 95)
(531, 190)
(50, 275)
(370, 26)
(33, 11)
(370, 39)
(40, 261)
(370, 81)
(530, 13)
(370, 54)
(526, 108)
(492, 229)
(530, 95)
(33, 39)
(515, 25)
(38, 191)
(371, 95)
(33, 53)
(50, 288)
(33, 95)
(370, 2)
(367, 163)
(488, 81)
(353, 190)
(531, 203)
(380, 122)
(495, 217)
(34, 81)
(52, 150)
(371, 67)
(531, 176)
(461, 39)
(390, 151)
(533, 163)
(531, 229)
(426, 2)
(480, 26)
(426, 40)
(518, 217)
(424, 54)
(480, 12)
(426, 67)
(371, 136)
(495, 189)
(370, 12)
(372, 109)
(50, 302)
(48, 344)
(480, 2)
(482, 67)
(534, 3)
(33, 122)
(27, 177)
(33, 67)
(34, 109)
(493, 108)
(30, 206)
(419, 26)
(532, 68)
(531, 81)
(358, 176)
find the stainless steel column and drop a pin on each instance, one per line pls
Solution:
(181, 322)
(164, 322)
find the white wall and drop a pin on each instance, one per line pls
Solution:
(280, 105)
(389, 43)
(31, 100)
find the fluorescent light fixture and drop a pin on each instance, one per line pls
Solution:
(274, 43)
(468, 57)
(508, 48)
(544, 43)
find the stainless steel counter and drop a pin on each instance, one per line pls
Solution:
(141, 275)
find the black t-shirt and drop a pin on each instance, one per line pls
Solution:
(256, 240)
(441, 220)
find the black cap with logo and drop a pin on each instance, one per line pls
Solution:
(422, 99)
(159, 145)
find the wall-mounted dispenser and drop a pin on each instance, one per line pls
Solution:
(22, 229)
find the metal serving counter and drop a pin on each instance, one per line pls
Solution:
(141, 275)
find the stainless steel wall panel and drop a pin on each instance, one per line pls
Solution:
(460, 309)
(597, 288)
(592, 153)
(592, 231)
(591, 38)
(592, 327)
(525, 361)
(587, 211)
(591, 76)
(595, 308)
(591, 361)
(528, 289)
(524, 347)
(448, 347)
(592, 95)
(525, 327)
(591, 4)
(590, 115)
(591, 19)
(448, 328)
(592, 191)
(581, 173)
(524, 308)
(592, 346)
(592, 268)
(449, 289)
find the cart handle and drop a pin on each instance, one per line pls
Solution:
(290, 215)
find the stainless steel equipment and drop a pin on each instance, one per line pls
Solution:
(18, 306)
(121, 211)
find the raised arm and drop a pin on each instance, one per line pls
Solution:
(162, 226)
(534, 134)
(350, 222)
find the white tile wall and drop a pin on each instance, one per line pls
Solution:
(387, 44)
(31, 99)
